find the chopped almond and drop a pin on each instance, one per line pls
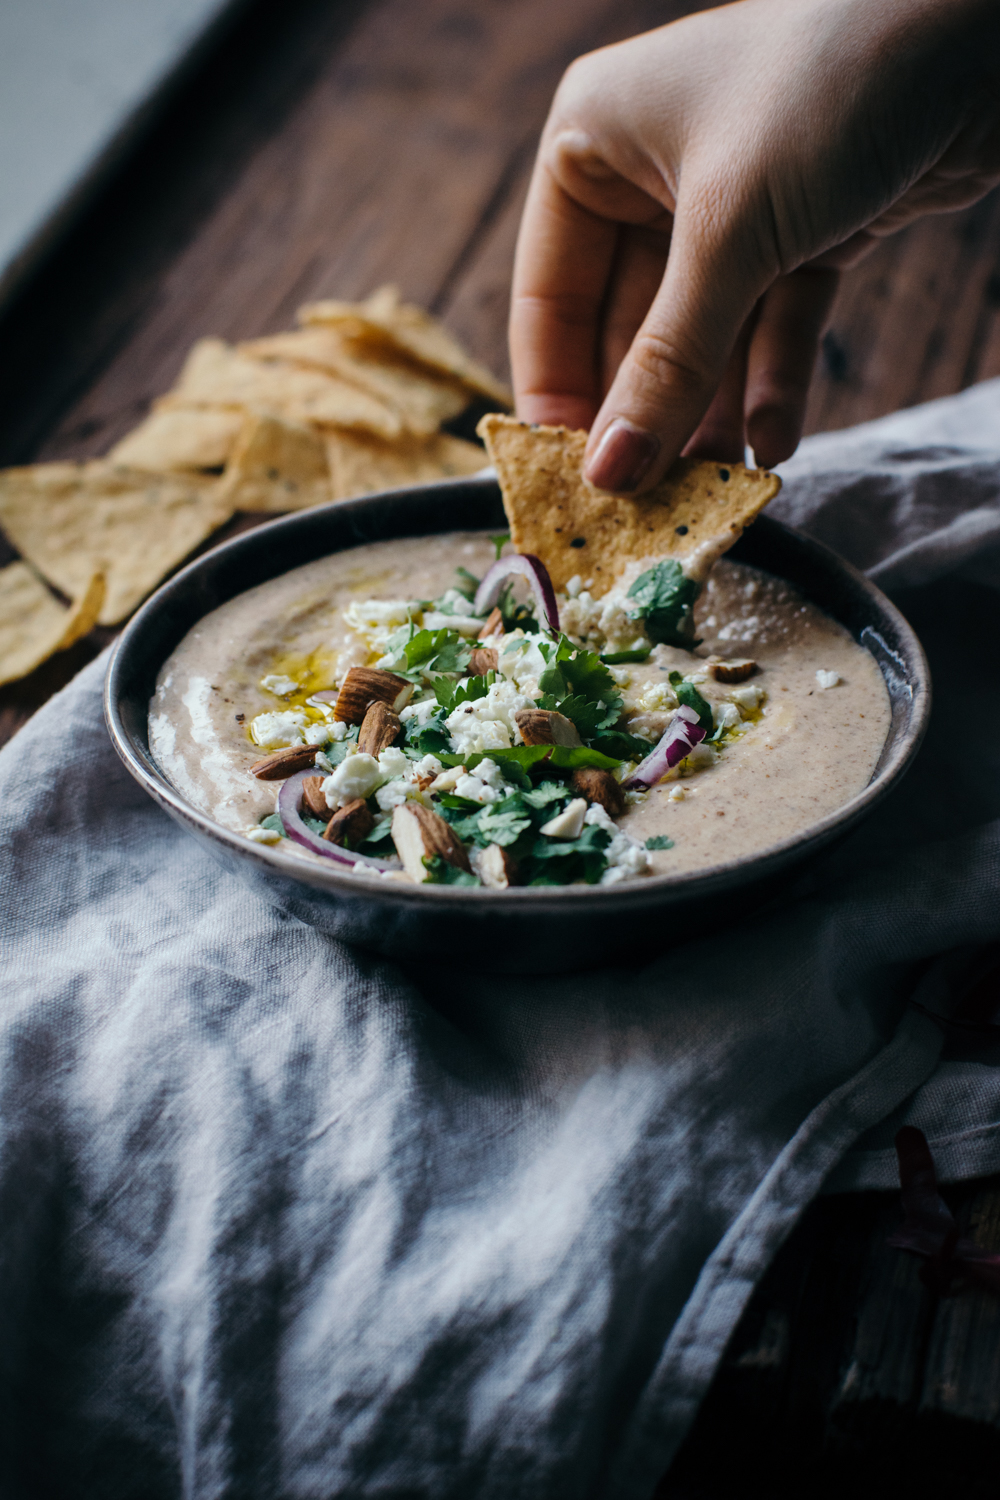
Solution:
(599, 786)
(351, 824)
(496, 867)
(379, 729)
(732, 671)
(313, 801)
(284, 763)
(493, 626)
(483, 659)
(540, 726)
(419, 834)
(364, 686)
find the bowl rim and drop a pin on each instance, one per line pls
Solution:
(653, 890)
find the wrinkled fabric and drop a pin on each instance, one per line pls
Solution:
(285, 1220)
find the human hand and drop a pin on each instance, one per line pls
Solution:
(697, 192)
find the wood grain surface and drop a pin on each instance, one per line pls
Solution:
(330, 147)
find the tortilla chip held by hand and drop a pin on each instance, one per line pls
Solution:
(693, 515)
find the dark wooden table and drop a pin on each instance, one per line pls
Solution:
(323, 148)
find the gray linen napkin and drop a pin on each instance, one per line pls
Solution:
(284, 1220)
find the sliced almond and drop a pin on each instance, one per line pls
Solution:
(313, 801)
(599, 786)
(496, 867)
(483, 659)
(379, 729)
(493, 626)
(540, 726)
(732, 671)
(350, 824)
(419, 834)
(284, 763)
(364, 686)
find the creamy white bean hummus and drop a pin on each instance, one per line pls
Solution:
(796, 739)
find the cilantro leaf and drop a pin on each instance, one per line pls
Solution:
(440, 872)
(664, 600)
(466, 583)
(499, 541)
(500, 826)
(578, 684)
(622, 746)
(545, 793)
(659, 841)
(689, 695)
(450, 694)
(588, 717)
(562, 861)
(523, 757)
(619, 658)
(274, 824)
(430, 739)
(436, 651)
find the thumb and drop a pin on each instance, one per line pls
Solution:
(665, 384)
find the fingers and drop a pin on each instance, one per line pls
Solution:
(780, 361)
(720, 433)
(561, 268)
(640, 261)
(668, 379)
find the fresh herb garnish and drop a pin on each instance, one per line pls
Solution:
(440, 872)
(501, 538)
(689, 695)
(619, 658)
(523, 757)
(622, 746)
(659, 841)
(450, 694)
(578, 684)
(664, 600)
(579, 859)
(437, 651)
(466, 583)
(546, 793)
(274, 824)
(431, 738)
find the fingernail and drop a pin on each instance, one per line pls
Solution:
(623, 456)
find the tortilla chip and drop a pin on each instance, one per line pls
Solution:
(423, 400)
(359, 466)
(179, 438)
(73, 520)
(276, 465)
(383, 318)
(694, 514)
(216, 375)
(34, 625)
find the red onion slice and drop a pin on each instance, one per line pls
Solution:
(521, 565)
(289, 799)
(678, 740)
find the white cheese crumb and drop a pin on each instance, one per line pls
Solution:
(725, 715)
(828, 679)
(279, 685)
(748, 697)
(275, 731)
(468, 625)
(259, 835)
(574, 586)
(676, 793)
(318, 734)
(392, 762)
(567, 824)
(357, 776)
(657, 697)
(475, 790)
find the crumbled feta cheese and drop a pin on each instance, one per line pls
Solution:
(621, 675)
(392, 762)
(447, 780)
(567, 824)
(469, 625)
(364, 615)
(599, 817)
(748, 697)
(475, 790)
(279, 685)
(263, 835)
(318, 734)
(338, 730)
(420, 713)
(357, 776)
(429, 766)
(489, 772)
(725, 715)
(323, 763)
(394, 794)
(275, 731)
(657, 697)
(487, 723)
(828, 679)
(574, 586)
(676, 793)
(626, 859)
(701, 758)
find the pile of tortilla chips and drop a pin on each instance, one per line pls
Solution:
(352, 401)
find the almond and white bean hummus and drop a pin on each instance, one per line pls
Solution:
(495, 751)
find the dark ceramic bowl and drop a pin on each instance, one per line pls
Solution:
(523, 930)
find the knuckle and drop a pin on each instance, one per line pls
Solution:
(659, 362)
